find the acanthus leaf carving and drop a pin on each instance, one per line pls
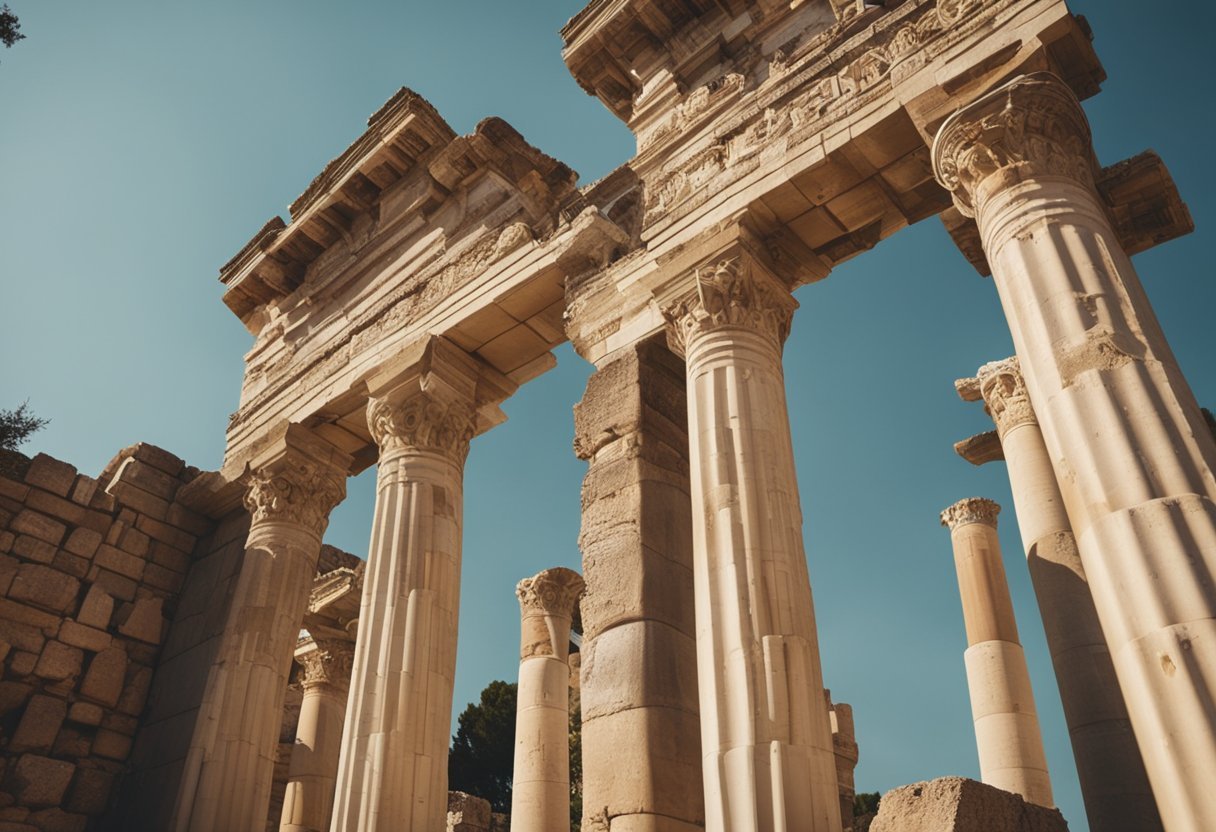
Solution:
(971, 510)
(421, 420)
(1005, 395)
(294, 491)
(329, 665)
(729, 294)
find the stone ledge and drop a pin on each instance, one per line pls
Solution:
(956, 804)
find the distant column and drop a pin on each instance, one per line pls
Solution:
(1111, 772)
(844, 742)
(1002, 703)
(540, 791)
(309, 799)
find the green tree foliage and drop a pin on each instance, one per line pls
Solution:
(10, 27)
(18, 425)
(483, 750)
(576, 761)
(865, 803)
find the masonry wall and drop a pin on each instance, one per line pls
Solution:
(91, 570)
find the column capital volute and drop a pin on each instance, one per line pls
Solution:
(732, 289)
(1031, 126)
(971, 510)
(1002, 387)
(296, 478)
(329, 664)
(434, 396)
(547, 603)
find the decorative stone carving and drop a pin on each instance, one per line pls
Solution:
(294, 491)
(971, 510)
(329, 664)
(1036, 124)
(554, 592)
(512, 237)
(421, 420)
(1005, 395)
(730, 293)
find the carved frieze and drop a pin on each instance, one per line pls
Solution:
(1034, 123)
(421, 420)
(294, 490)
(730, 293)
(971, 510)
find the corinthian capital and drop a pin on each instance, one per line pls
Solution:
(1032, 126)
(1005, 396)
(971, 510)
(420, 419)
(731, 292)
(328, 665)
(552, 594)
(297, 480)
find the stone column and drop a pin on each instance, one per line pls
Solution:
(844, 740)
(641, 731)
(309, 799)
(393, 771)
(1002, 703)
(1128, 443)
(540, 791)
(292, 486)
(1113, 781)
(766, 739)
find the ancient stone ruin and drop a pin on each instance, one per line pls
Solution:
(182, 652)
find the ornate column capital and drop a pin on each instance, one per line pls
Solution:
(553, 593)
(1031, 126)
(730, 292)
(419, 418)
(1005, 396)
(329, 665)
(971, 510)
(297, 480)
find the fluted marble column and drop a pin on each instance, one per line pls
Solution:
(1113, 781)
(1128, 443)
(291, 488)
(1007, 731)
(766, 739)
(393, 771)
(309, 799)
(540, 790)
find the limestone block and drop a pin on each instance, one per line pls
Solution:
(67, 511)
(51, 474)
(116, 560)
(90, 791)
(39, 526)
(96, 609)
(145, 621)
(31, 548)
(69, 564)
(58, 662)
(158, 458)
(39, 724)
(161, 578)
(165, 555)
(135, 694)
(467, 813)
(103, 682)
(13, 695)
(112, 745)
(955, 804)
(44, 587)
(72, 743)
(39, 781)
(134, 472)
(84, 490)
(166, 533)
(134, 542)
(57, 820)
(639, 664)
(120, 586)
(85, 713)
(87, 638)
(131, 496)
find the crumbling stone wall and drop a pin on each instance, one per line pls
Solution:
(90, 572)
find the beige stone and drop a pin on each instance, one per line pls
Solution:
(39, 526)
(145, 621)
(51, 474)
(44, 587)
(467, 813)
(39, 781)
(39, 724)
(96, 609)
(104, 679)
(88, 638)
(85, 713)
(953, 804)
(59, 662)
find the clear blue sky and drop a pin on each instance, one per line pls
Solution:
(143, 143)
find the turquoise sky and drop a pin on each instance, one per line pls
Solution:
(143, 143)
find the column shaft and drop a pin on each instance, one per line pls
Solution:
(1128, 442)
(766, 738)
(309, 799)
(1007, 733)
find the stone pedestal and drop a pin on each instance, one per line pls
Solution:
(1127, 440)
(1113, 781)
(309, 799)
(766, 739)
(292, 487)
(540, 792)
(1002, 703)
(393, 768)
(641, 730)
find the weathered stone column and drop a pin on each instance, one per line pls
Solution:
(1002, 703)
(844, 741)
(292, 486)
(540, 790)
(766, 738)
(1113, 781)
(641, 731)
(393, 769)
(1128, 443)
(309, 799)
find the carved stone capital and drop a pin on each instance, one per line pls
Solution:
(1032, 126)
(294, 489)
(1005, 396)
(421, 420)
(730, 293)
(329, 665)
(971, 510)
(552, 594)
